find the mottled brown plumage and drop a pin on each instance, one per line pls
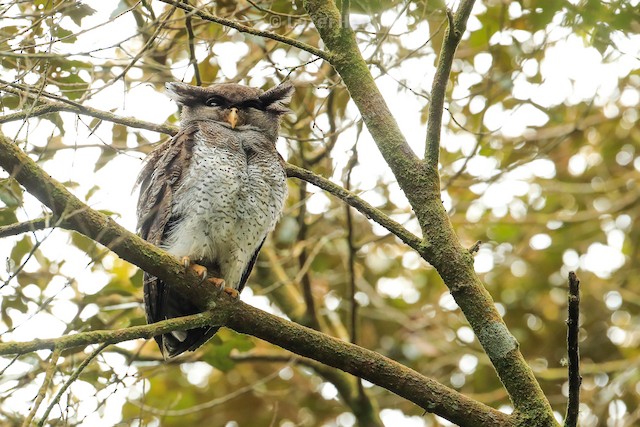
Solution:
(212, 193)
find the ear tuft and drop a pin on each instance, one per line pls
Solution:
(180, 92)
(276, 98)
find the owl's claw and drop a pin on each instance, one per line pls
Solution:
(220, 285)
(186, 261)
(197, 268)
(217, 282)
(232, 292)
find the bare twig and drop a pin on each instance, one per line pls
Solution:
(69, 381)
(165, 412)
(149, 42)
(351, 261)
(573, 349)
(352, 254)
(344, 13)
(365, 208)
(192, 49)
(249, 30)
(51, 369)
(55, 104)
(311, 316)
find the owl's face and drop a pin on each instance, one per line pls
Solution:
(234, 106)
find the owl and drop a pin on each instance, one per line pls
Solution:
(211, 194)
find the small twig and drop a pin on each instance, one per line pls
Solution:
(249, 30)
(475, 247)
(192, 49)
(305, 281)
(353, 314)
(83, 339)
(57, 104)
(26, 226)
(51, 369)
(573, 349)
(147, 46)
(207, 405)
(365, 208)
(352, 252)
(69, 381)
(344, 12)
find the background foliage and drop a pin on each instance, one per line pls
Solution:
(540, 162)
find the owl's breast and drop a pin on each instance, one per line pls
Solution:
(230, 198)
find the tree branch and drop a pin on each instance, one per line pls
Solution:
(68, 382)
(51, 370)
(429, 394)
(573, 329)
(24, 227)
(51, 106)
(192, 48)
(351, 199)
(249, 30)
(440, 247)
(452, 37)
(83, 339)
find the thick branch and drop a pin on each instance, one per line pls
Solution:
(427, 393)
(363, 363)
(440, 247)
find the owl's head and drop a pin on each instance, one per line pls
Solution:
(233, 105)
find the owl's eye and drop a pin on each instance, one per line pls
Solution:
(252, 103)
(214, 102)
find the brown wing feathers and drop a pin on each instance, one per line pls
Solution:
(158, 179)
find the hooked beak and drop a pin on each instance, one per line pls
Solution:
(232, 117)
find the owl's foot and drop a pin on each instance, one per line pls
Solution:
(197, 268)
(220, 285)
(217, 282)
(232, 292)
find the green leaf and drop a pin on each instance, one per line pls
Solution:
(218, 354)
(10, 192)
(7, 216)
(79, 12)
(20, 249)
(84, 243)
(64, 35)
(106, 155)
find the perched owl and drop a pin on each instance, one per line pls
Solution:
(211, 194)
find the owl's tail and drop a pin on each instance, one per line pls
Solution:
(162, 303)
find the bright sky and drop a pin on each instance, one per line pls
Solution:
(572, 73)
